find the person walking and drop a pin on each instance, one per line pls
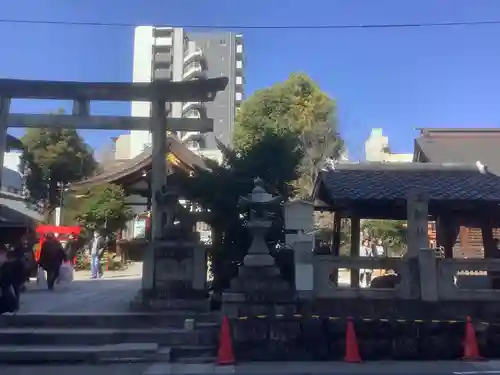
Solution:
(378, 252)
(52, 256)
(97, 246)
(9, 297)
(71, 248)
(365, 273)
(24, 252)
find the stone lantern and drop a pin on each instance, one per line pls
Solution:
(258, 203)
(259, 287)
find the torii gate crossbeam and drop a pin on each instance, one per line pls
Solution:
(82, 93)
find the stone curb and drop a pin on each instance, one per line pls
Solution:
(296, 368)
(188, 369)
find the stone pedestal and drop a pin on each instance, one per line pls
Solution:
(179, 276)
(258, 290)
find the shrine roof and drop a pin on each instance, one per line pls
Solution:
(383, 184)
(119, 170)
(459, 146)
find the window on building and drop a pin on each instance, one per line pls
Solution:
(222, 42)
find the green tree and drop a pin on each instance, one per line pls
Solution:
(298, 107)
(219, 190)
(103, 207)
(393, 233)
(54, 157)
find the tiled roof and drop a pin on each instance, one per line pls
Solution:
(13, 209)
(120, 169)
(394, 181)
(461, 146)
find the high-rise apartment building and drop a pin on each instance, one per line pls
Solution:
(167, 53)
(377, 149)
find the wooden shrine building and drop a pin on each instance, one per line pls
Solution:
(456, 194)
(134, 175)
(470, 146)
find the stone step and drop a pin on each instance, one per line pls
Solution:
(194, 360)
(171, 304)
(109, 320)
(82, 353)
(103, 336)
(193, 353)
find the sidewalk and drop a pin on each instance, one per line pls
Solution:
(81, 369)
(112, 293)
(133, 270)
(261, 368)
(295, 368)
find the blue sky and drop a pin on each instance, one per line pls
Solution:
(397, 79)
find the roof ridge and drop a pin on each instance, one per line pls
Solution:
(408, 167)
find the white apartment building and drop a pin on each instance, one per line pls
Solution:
(377, 149)
(173, 54)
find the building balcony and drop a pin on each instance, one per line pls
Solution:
(164, 59)
(195, 54)
(193, 70)
(239, 96)
(239, 81)
(164, 41)
(239, 49)
(162, 75)
(239, 65)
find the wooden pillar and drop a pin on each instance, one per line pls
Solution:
(337, 222)
(450, 231)
(4, 114)
(464, 241)
(490, 250)
(355, 243)
(446, 234)
(81, 108)
(158, 182)
(335, 249)
(439, 232)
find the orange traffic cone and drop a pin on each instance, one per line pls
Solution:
(471, 349)
(225, 355)
(351, 344)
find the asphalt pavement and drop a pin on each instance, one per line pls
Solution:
(270, 368)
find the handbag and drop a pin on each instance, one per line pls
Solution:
(41, 278)
(66, 273)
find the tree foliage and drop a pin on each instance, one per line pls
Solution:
(297, 107)
(274, 159)
(53, 157)
(393, 233)
(103, 207)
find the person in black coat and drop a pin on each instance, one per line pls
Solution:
(71, 248)
(9, 299)
(52, 256)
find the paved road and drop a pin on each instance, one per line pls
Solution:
(110, 369)
(112, 293)
(293, 368)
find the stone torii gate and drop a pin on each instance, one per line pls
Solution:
(82, 93)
